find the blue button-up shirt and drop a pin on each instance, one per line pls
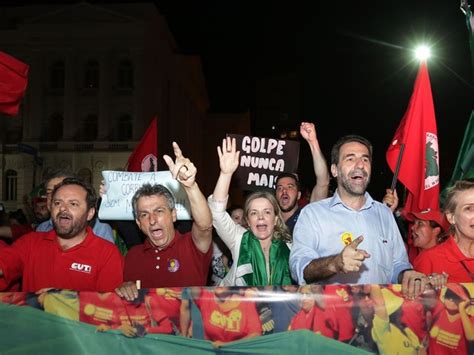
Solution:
(102, 230)
(325, 227)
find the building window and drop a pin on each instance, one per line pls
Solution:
(10, 192)
(56, 75)
(125, 75)
(123, 128)
(85, 174)
(52, 128)
(89, 128)
(91, 75)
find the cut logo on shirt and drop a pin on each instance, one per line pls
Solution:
(346, 238)
(81, 268)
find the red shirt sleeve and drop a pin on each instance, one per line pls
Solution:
(20, 229)
(254, 325)
(423, 263)
(11, 259)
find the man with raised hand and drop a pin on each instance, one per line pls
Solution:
(168, 258)
(287, 186)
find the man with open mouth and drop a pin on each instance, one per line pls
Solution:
(168, 258)
(70, 256)
(287, 185)
(328, 233)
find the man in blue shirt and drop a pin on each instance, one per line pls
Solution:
(102, 230)
(328, 232)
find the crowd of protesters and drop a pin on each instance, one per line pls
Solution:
(347, 239)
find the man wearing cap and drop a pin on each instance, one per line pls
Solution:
(429, 228)
(288, 190)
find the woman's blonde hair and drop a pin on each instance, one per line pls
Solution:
(451, 202)
(281, 230)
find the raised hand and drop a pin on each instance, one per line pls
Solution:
(351, 257)
(228, 156)
(308, 131)
(182, 169)
(391, 199)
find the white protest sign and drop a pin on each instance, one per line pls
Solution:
(120, 186)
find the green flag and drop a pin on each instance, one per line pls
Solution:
(466, 9)
(464, 168)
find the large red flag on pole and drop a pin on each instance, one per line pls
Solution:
(419, 169)
(13, 81)
(144, 157)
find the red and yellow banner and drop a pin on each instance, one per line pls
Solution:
(375, 318)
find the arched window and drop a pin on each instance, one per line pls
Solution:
(91, 75)
(10, 190)
(125, 75)
(52, 128)
(56, 75)
(85, 174)
(89, 128)
(123, 128)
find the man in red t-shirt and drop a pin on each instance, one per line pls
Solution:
(169, 258)
(227, 315)
(68, 257)
(330, 318)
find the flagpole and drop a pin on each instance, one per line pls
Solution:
(397, 167)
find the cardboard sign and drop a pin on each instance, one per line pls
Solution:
(262, 159)
(121, 186)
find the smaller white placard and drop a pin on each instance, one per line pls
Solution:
(120, 186)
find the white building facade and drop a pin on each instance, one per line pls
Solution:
(98, 75)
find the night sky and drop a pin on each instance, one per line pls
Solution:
(356, 54)
(353, 58)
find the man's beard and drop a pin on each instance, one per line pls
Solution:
(289, 208)
(345, 181)
(70, 231)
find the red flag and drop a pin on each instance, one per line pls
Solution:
(419, 169)
(13, 81)
(144, 157)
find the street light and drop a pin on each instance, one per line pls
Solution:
(423, 52)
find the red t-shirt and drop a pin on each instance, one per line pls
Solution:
(305, 320)
(316, 320)
(445, 257)
(4, 286)
(37, 257)
(100, 308)
(447, 337)
(180, 264)
(169, 302)
(230, 320)
(337, 309)
(20, 229)
(148, 313)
